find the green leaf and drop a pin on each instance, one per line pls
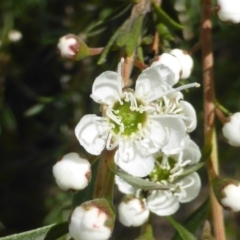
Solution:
(164, 18)
(189, 170)
(183, 232)
(34, 110)
(87, 193)
(164, 32)
(50, 232)
(124, 33)
(195, 220)
(103, 56)
(132, 42)
(206, 152)
(136, 181)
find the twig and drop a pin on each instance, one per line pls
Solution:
(209, 114)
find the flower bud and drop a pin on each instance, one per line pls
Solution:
(170, 61)
(72, 47)
(72, 172)
(227, 192)
(231, 130)
(93, 220)
(132, 211)
(185, 60)
(14, 35)
(229, 11)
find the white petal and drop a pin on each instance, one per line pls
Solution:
(162, 203)
(229, 11)
(155, 137)
(170, 61)
(154, 81)
(189, 111)
(132, 161)
(191, 152)
(72, 172)
(89, 224)
(231, 130)
(92, 132)
(107, 88)
(185, 60)
(193, 190)
(232, 193)
(176, 134)
(133, 212)
(123, 186)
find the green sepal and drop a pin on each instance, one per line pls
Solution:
(165, 18)
(136, 181)
(83, 52)
(148, 234)
(183, 232)
(124, 33)
(49, 232)
(136, 29)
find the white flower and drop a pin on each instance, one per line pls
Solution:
(14, 35)
(229, 10)
(185, 60)
(72, 172)
(231, 130)
(166, 172)
(232, 197)
(137, 122)
(91, 221)
(133, 212)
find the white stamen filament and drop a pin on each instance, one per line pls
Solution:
(190, 85)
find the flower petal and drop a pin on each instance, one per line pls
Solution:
(175, 128)
(130, 159)
(153, 82)
(107, 88)
(92, 132)
(189, 111)
(123, 186)
(162, 203)
(191, 192)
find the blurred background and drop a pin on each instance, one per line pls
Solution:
(42, 98)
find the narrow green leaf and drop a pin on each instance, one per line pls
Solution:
(136, 181)
(87, 193)
(124, 33)
(140, 54)
(164, 18)
(8, 119)
(189, 170)
(132, 42)
(34, 110)
(50, 232)
(164, 32)
(183, 232)
(103, 56)
(206, 152)
(195, 220)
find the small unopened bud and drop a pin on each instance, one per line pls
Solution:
(231, 130)
(93, 220)
(132, 211)
(227, 192)
(185, 60)
(170, 61)
(72, 47)
(229, 11)
(72, 172)
(14, 35)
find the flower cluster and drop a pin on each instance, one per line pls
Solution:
(140, 123)
(169, 173)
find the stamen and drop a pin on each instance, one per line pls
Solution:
(110, 114)
(110, 145)
(138, 192)
(119, 78)
(175, 90)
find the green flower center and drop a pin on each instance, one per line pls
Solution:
(131, 117)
